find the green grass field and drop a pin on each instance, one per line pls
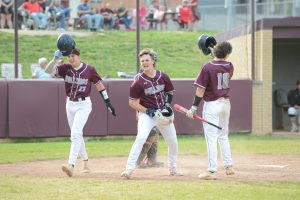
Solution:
(114, 51)
(120, 146)
(23, 187)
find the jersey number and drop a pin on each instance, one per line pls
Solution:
(81, 88)
(223, 81)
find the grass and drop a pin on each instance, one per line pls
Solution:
(178, 53)
(65, 188)
(240, 144)
(24, 187)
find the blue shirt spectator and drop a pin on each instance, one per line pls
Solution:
(59, 12)
(39, 71)
(94, 21)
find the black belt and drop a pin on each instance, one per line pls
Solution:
(77, 99)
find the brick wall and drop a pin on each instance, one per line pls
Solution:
(262, 85)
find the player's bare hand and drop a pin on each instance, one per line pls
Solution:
(191, 112)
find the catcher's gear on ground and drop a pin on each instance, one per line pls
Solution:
(206, 43)
(150, 145)
(65, 43)
(165, 115)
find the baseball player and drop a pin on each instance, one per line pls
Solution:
(212, 85)
(147, 157)
(151, 94)
(294, 109)
(79, 78)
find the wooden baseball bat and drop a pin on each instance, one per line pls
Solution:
(183, 110)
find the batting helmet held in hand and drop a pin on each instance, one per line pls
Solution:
(206, 43)
(164, 115)
(65, 43)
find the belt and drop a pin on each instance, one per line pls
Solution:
(77, 99)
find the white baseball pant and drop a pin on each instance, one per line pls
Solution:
(77, 114)
(217, 112)
(145, 125)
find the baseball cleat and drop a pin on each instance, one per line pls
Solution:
(229, 170)
(175, 172)
(142, 165)
(86, 168)
(126, 174)
(208, 176)
(68, 170)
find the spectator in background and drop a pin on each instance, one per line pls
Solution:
(6, 13)
(122, 13)
(35, 12)
(39, 71)
(108, 14)
(154, 7)
(294, 109)
(195, 15)
(43, 4)
(60, 12)
(159, 16)
(184, 15)
(86, 12)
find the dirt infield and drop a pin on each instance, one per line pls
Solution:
(248, 167)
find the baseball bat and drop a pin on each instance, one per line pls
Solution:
(183, 110)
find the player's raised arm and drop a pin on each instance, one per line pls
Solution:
(50, 68)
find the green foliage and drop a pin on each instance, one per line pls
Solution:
(114, 51)
(118, 146)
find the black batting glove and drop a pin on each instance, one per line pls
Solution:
(108, 105)
(150, 112)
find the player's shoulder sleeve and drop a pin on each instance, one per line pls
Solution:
(136, 88)
(202, 78)
(94, 76)
(168, 83)
(231, 69)
(61, 70)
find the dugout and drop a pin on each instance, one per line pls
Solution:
(275, 68)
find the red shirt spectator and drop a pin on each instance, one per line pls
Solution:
(32, 7)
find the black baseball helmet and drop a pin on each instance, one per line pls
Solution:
(205, 43)
(65, 43)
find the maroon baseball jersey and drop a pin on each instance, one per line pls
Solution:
(78, 81)
(151, 91)
(214, 77)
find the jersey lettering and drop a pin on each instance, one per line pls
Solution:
(223, 81)
(154, 90)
